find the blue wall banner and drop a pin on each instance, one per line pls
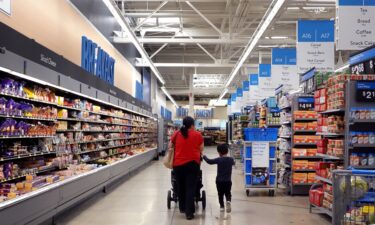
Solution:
(96, 61)
(315, 45)
(254, 79)
(355, 24)
(284, 68)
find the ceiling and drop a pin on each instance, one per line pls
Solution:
(195, 44)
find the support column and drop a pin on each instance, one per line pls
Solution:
(191, 96)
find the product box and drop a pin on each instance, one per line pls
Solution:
(299, 178)
(311, 152)
(311, 165)
(318, 198)
(299, 152)
(311, 178)
(300, 164)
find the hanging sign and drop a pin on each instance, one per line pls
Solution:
(315, 45)
(254, 93)
(265, 80)
(5, 6)
(239, 100)
(260, 154)
(284, 68)
(365, 91)
(355, 24)
(246, 92)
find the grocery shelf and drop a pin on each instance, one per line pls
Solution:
(27, 118)
(326, 180)
(302, 184)
(307, 157)
(304, 131)
(332, 111)
(28, 99)
(362, 146)
(303, 170)
(109, 147)
(3, 159)
(364, 167)
(23, 137)
(330, 134)
(325, 156)
(23, 176)
(286, 123)
(273, 125)
(353, 121)
(321, 210)
(304, 144)
(305, 119)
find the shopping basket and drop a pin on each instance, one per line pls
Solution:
(354, 197)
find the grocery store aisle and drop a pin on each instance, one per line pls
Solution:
(142, 200)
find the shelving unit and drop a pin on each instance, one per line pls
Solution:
(57, 129)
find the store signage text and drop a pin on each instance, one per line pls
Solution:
(47, 60)
(284, 68)
(96, 61)
(315, 45)
(356, 24)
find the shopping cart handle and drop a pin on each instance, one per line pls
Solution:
(363, 172)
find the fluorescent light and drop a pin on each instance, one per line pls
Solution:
(216, 102)
(111, 5)
(223, 94)
(169, 96)
(262, 27)
(278, 37)
(342, 68)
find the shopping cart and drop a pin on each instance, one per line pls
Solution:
(199, 197)
(354, 197)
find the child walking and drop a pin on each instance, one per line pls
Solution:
(224, 175)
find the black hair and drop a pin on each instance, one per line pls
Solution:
(187, 122)
(222, 149)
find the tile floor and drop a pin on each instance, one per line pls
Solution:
(141, 200)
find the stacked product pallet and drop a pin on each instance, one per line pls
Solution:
(48, 135)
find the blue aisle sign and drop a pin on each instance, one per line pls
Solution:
(284, 56)
(239, 92)
(316, 31)
(96, 61)
(229, 101)
(254, 79)
(246, 85)
(264, 70)
(356, 2)
(233, 97)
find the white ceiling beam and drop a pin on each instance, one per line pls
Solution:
(204, 17)
(198, 65)
(150, 15)
(205, 50)
(161, 48)
(211, 41)
(195, 91)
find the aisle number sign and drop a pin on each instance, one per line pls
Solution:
(284, 68)
(246, 92)
(315, 45)
(266, 83)
(254, 89)
(355, 24)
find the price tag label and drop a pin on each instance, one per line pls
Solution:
(358, 69)
(370, 66)
(306, 103)
(275, 112)
(365, 91)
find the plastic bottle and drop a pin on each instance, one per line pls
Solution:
(371, 160)
(371, 138)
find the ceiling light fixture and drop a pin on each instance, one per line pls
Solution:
(279, 37)
(169, 96)
(342, 68)
(274, 8)
(111, 5)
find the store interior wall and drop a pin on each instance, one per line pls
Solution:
(44, 24)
